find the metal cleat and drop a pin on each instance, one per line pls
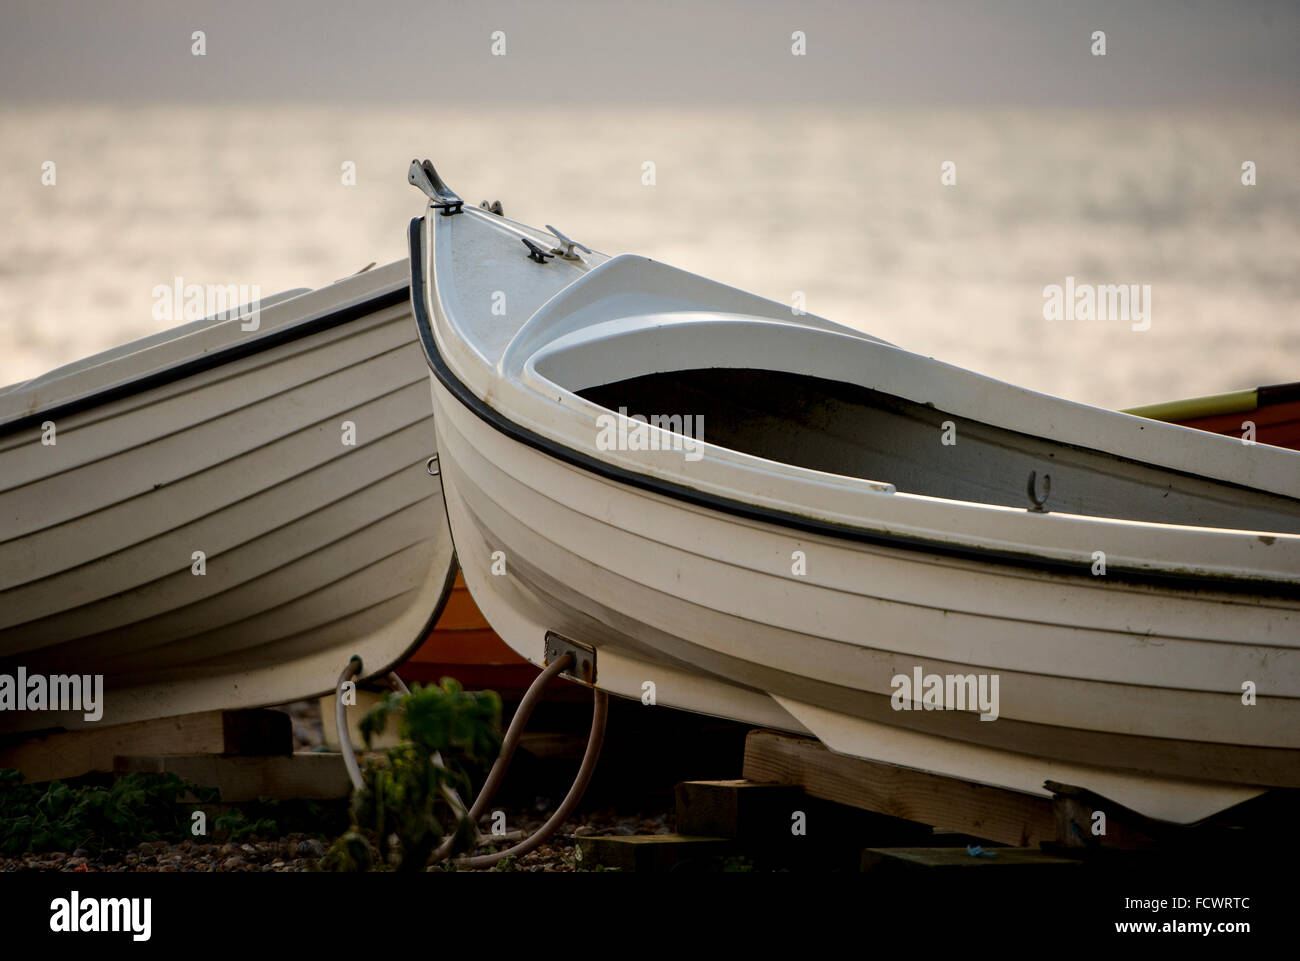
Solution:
(535, 252)
(567, 250)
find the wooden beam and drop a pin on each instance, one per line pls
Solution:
(762, 816)
(311, 776)
(655, 853)
(67, 754)
(365, 700)
(1009, 817)
(736, 809)
(945, 862)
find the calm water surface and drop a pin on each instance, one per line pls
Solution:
(845, 205)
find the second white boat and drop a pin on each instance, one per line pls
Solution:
(221, 515)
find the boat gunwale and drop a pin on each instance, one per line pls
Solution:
(1162, 578)
(207, 361)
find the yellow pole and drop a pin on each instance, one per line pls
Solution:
(1236, 402)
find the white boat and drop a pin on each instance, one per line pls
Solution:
(855, 517)
(221, 515)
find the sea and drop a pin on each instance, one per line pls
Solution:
(945, 232)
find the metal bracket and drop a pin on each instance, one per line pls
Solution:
(423, 175)
(567, 250)
(535, 252)
(583, 667)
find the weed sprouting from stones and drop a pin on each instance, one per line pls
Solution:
(403, 812)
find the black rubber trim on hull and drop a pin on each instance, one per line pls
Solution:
(1163, 579)
(208, 361)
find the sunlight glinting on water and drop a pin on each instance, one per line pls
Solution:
(844, 204)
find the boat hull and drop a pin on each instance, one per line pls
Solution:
(463, 645)
(231, 537)
(1272, 412)
(703, 607)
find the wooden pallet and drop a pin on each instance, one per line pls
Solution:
(956, 863)
(68, 754)
(306, 776)
(1008, 817)
(896, 822)
(246, 755)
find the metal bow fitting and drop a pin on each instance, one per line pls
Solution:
(423, 175)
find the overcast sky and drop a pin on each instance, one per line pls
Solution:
(1021, 52)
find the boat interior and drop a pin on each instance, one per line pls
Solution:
(842, 428)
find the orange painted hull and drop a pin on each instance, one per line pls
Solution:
(463, 646)
(1276, 424)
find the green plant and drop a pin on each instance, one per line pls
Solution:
(268, 818)
(62, 817)
(236, 825)
(446, 734)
